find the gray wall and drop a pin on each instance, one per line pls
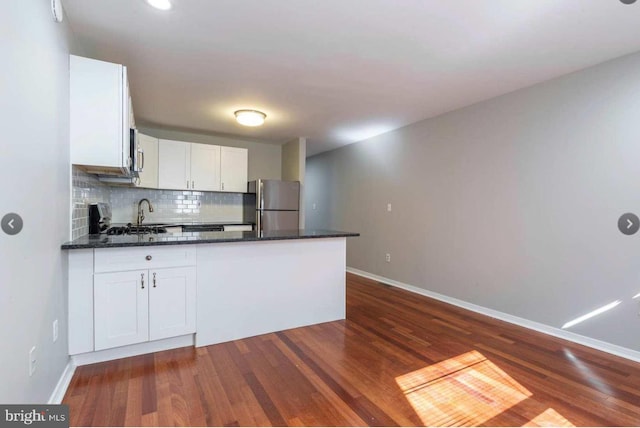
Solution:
(511, 204)
(294, 154)
(264, 159)
(292, 161)
(34, 170)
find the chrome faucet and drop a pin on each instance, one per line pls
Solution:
(141, 211)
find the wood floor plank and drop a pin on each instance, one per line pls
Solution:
(398, 359)
(339, 409)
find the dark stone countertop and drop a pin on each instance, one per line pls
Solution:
(188, 223)
(111, 241)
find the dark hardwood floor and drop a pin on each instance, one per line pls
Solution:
(398, 359)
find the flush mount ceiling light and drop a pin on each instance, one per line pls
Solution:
(56, 9)
(160, 4)
(250, 117)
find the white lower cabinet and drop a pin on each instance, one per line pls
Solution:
(142, 305)
(172, 302)
(121, 308)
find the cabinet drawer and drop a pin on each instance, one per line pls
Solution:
(133, 258)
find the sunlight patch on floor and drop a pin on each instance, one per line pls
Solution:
(549, 418)
(464, 390)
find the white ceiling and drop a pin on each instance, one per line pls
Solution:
(339, 71)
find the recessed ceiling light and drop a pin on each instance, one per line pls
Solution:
(250, 117)
(160, 4)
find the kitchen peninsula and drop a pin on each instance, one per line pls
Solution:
(135, 294)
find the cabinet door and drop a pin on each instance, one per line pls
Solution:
(149, 161)
(125, 120)
(205, 167)
(172, 302)
(132, 119)
(121, 308)
(174, 168)
(98, 114)
(234, 163)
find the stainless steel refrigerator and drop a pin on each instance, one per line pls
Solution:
(276, 206)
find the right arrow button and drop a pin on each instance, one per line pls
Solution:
(628, 223)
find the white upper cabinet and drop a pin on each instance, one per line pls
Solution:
(234, 166)
(205, 167)
(99, 115)
(188, 166)
(149, 162)
(174, 165)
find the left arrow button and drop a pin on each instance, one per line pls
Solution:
(11, 224)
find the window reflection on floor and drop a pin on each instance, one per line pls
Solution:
(466, 390)
(549, 418)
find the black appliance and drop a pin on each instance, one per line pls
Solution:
(99, 217)
(203, 228)
(130, 229)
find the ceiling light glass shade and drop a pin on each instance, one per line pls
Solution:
(160, 4)
(250, 117)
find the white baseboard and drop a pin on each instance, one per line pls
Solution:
(63, 383)
(133, 350)
(610, 348)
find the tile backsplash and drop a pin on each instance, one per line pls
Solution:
(169, 205)
(175, 205)
(86, 189)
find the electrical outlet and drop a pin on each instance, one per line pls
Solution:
(314, 206)
(389, 207)
(388, 258)
(55, 330)
(32, 361)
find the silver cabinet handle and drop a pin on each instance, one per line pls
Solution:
(154, 280)
(142, 280)
(223, 185)
(187, 184)
(193, 184)
(148, 257)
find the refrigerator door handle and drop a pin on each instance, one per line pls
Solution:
(260, 195)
